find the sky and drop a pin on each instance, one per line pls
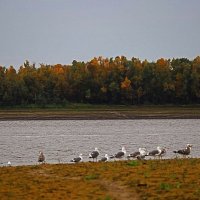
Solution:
(60, 31)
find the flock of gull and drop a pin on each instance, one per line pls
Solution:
(140, 154)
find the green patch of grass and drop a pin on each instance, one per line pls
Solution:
(166, 186)
(178, 185)
(9, 195)
(133, 163)
(146, 174)
(173, 176)
(107, 198)
(197, 192)
(91, 177)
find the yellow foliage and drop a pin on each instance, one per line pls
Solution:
(94, 61)
(162, 64)
(137, 64)
(11, 70)
(196, 65)
(58, 69)
(197, 60)
(126, 83)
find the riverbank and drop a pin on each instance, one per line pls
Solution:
(100, 112)
(152, 179)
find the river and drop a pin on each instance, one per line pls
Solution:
(61, 140)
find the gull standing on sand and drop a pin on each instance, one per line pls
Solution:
(163, 152)
(105, 158)
(94, 154)
(77, 159)
(41, 158)
(185, 152)
(120, 154)
(156, 152)
(133, 155)
(143, 152)
(140, 154)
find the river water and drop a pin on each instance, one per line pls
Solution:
(61, 140)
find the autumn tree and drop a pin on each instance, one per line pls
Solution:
(103, 80)
(195, 80)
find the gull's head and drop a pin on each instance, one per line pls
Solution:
(9, 163)
(143, 148)
(96, 149)
(143, 151)
(189, 145)
(81, 156)
(123, 149)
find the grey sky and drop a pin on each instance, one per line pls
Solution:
(59, 31)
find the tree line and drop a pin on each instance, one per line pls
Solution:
(103, 81)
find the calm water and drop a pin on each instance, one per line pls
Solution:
(61, 140)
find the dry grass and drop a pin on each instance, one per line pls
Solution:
(152, 179)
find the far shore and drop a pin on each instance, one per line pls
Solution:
(99, 112)
(96, 117)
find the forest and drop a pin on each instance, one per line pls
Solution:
(102, 81)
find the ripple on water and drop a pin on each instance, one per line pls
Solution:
(61, 140)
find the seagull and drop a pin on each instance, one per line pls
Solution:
(185, 152)
(163, 152)
(142, 153)
(41, 158)
(156, 152)
(94, 154)
(105, 158)
(9, 163)
(120, 154)
(133, 155)
(77, 159)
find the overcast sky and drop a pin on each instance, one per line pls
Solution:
(60, 31)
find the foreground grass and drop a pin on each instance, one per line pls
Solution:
(152, 179)
(85, 111)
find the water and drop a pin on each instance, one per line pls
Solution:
(62, 140)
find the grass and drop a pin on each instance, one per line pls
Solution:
(172, 179)
(91, 177)
(166, 186)
(133, 163)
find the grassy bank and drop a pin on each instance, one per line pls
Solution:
(84, 111)
(152, 179)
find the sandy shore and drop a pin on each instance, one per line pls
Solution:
(102, 114)
(17, 118)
